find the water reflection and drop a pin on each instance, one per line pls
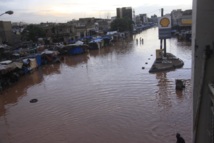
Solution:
(179, 94)
(2, 107)
(186, 91)
(50, 69)
(77, 59)
(13, 94)
(101, 52)
(124, 46)
(163, 93)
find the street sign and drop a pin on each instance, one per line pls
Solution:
(165, 33)
(164, 25)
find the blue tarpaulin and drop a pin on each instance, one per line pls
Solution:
(39, 60)
(96, 40)
(76, 50)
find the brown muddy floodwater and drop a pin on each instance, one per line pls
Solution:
(103, 96)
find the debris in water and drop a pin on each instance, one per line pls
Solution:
(179, 84)
(33, 100)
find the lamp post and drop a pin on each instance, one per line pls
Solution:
(7, 12)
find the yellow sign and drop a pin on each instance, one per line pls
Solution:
(186, 22)
(164, 27)
(164, 22)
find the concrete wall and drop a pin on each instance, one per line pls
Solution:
(202, 68)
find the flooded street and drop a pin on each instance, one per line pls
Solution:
(103, 96)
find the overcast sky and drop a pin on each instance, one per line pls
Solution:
(36, 11)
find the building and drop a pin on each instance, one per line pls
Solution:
(154, 19)
(185, 20)
(138, 20)
(176, 15)
(144, 18)
(104, 25)
(5, 32)
(182, 19)
(60, 32)
(113, 18)
(75, 29)
(126, 12)
(202, 71)
(133, 16)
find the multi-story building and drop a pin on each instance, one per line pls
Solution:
(126, 12)
(138, 20)
(63, 31)
(5, 32)
(85, 27)
(104, 24)
(154, 19)
(176, 15)
(181, 18)
(143, 18)
(186, 18)
(133, 16)
(75, 29)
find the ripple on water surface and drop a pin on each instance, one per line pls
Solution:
(102, 96)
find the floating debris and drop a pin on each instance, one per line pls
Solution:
(146, 63)
(33, 100)
(179, 84)
(143, 67)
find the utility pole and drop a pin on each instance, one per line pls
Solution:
(161, 40)
(164, 47)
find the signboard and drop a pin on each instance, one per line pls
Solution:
(186, 22)
(164, 25)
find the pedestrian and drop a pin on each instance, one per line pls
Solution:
(179, 138)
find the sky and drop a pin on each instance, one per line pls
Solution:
(37, 11)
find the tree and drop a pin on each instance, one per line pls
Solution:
(121, 25)
(33, 32)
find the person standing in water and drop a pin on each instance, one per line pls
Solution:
(179, 138)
